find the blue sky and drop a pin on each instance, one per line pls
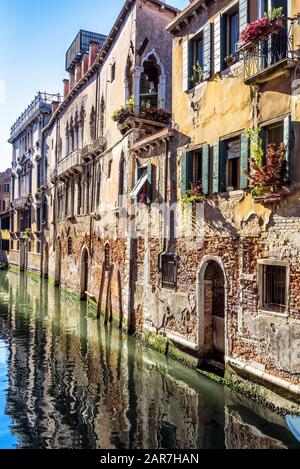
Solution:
(34, 36)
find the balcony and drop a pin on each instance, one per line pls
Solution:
(22, 203)
(95, 148)
(69, 165)
(144, 117)
(268, 57)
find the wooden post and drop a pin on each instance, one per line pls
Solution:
(108, 293)
(101, 291)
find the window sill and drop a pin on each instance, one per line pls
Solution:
(233, 194)
(269, 312)
(232, 67)
(197, 87)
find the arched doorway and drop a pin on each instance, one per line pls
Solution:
(211, 309)
(152, 82)
(57, 276)
(46, 260)
(84, 274)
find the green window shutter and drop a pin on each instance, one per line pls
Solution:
(207, 51)
(186, 171)
(287, 132)
(223, 166)
(243, 14)
(205, 169)
(244, 160)
(149, 183)
(217, 44)
(216, 168)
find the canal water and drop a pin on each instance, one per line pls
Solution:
(66, 381)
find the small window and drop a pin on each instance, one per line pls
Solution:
(5, 245)
(38, 247)
(230, 37)
(197, 63)
(274, 134)
(113, 72)
(107, 261)
(274, 294)
(233, 156)
(109, 169)
(70, 246)
(169, 271)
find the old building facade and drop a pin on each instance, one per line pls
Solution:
(119, 94)
(29, 212)
(235, 292)
(187, 228)
(4, 214)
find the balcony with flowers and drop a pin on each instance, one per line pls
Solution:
(146, 115)
(267, 47)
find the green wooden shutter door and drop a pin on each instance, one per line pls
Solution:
(287, 132)
(149, 183)
(243, 14)
(205, 169)
(216, 168)
(222, 167)
(244, 160)
(207, 51)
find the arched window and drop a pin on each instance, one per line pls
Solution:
(70, 246)
(98, 186)
(128, 79)
(92, 123)
(107, 254)
(102, 111)
(150, 82)
(76, 129)
(79, 196)
(81, 124)
(122, 176)
(67, 139)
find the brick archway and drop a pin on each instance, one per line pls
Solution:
(212, 288)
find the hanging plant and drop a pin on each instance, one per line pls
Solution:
(193, 195)
(256, 145)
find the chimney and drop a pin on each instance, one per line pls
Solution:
(93, 52)
(84, 64)
(72, 78)
(55, 105)
(66, 87)
(77, 71)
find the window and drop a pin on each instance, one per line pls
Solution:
(149, 84)
(169, 271)
(122, 176)
(274, 287)
(70, 246)
(107, 257)
(233, 154)
(38, 247)
(5, 245)
(197, 60)
(143, 190)
(230, 35)
(113, 72)
(6, 187)
(5, 223)
(191, 171)
(109, 169)
(274, 134)
(38, 170)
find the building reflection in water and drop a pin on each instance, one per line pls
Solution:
(73, 383)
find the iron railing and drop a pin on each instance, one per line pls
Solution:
(268, 53)
(70, 162)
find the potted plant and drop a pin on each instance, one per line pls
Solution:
(197, 75)
(230, 59)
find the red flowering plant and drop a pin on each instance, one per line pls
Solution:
(260, 28)
(268, 177)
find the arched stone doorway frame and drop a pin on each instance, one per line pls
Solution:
(84, 272)
(57, 273)
(201, 301)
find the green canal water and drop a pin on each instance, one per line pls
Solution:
(66, 381)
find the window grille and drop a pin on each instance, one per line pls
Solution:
(274, 287)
